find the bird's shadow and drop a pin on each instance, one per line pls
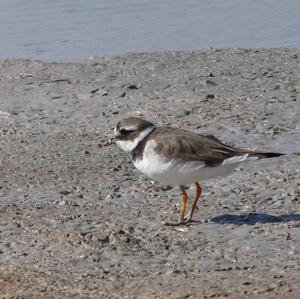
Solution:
(253, 218)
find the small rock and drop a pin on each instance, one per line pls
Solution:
(94, 90)
(13, 112)
(64, 192)
(132, 86)
(166, 188)
(56, 97)
(210, 82)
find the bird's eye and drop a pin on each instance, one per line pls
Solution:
(125, 132)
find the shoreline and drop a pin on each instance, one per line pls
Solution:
(77, 220)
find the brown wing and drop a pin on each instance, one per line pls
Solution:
(189, 146)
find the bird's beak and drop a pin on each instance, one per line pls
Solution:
(110, 142)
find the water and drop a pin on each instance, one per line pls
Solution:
(76, 29)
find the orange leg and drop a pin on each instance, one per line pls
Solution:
(197, 197)
(183, 205)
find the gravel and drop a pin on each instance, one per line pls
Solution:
(78, 221)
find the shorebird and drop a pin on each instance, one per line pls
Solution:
(178, 157)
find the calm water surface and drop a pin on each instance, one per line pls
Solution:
(76, 29)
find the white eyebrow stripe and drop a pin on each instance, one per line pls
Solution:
(128, 128)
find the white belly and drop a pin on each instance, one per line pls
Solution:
(173, 172)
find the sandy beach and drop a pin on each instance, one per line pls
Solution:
(77, 220)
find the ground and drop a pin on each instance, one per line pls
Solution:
(78, 221)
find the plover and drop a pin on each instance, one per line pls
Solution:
(178, 157)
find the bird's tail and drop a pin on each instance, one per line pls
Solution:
(262, 155)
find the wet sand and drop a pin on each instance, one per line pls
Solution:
(78, 221)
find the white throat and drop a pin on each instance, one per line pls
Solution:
(130, 145)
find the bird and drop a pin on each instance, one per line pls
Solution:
(178, 157)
